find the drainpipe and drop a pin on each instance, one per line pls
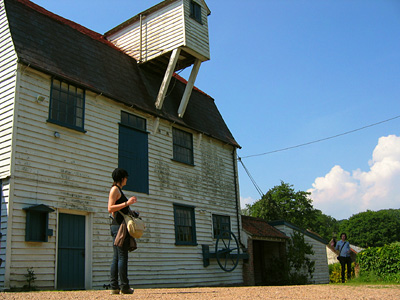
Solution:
(140, 42)
(234, 159)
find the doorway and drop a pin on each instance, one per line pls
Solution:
(71, 252)
(268, 266)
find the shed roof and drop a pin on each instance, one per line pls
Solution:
(260, 228)
(309, 233)
(65, 49)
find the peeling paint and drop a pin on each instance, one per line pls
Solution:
(213, 171)
(163, 173)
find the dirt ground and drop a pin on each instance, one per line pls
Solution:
(333, 291)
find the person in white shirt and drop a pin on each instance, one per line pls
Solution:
(344, 251)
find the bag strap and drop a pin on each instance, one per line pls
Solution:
(342, 248)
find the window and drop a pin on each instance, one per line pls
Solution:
(183, 146)
(195, 11)
(185, 227)
(67, 103)
(37, 223)
(133, 152)
(220, 224)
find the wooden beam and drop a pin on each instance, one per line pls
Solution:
(189, 88)
(167, 77)
(155, 125)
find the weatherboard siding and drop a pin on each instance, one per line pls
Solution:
(4, 199)
(196, 33)
(8, 67)
(162, 32)
(72, 174)
(166, 29)
(8, 78)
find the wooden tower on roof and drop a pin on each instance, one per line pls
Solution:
(169, 36)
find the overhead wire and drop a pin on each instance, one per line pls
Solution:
(323, 139)
(251, 178)
(257, 187)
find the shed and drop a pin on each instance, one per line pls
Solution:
(265, 244)
(321, 273)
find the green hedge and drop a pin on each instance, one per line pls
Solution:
(335, 273)
(382, 263)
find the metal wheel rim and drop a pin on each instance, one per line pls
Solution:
(227, 257)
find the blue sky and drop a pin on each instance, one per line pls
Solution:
(289, 72)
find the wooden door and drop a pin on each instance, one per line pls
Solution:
(71, 252)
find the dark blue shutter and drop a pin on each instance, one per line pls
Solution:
(133, 157)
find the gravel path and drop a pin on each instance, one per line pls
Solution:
(333, 291)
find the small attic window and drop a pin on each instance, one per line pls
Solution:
(195, 11)
(37, 223)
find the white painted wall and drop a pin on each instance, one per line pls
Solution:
(73, 173)
(8, 79)
(8, 67)
(166, 29)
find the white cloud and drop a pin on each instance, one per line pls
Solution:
(244, 201)
(341, 194)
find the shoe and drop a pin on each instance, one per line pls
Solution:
(130, 291)
(114, 292)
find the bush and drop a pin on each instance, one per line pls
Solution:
(301, 267)
(297, 267)
(335, 273)
(381, 263)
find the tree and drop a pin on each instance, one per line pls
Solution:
(301, 267)
(373, 228)
(282, 202)
(324, 225)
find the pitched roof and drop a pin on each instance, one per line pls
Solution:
(67, 50)
(309, 233)
(260, 228)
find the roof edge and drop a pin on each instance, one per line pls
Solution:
(137, 17)
(82, 29)
(303, 231)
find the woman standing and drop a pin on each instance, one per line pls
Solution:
(344, 251)
(118, 202)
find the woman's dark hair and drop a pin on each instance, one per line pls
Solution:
(344, 235)
(118, 174)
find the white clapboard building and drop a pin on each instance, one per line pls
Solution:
(74, 105)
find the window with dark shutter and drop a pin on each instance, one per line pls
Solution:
(133, 152)
(37, 223)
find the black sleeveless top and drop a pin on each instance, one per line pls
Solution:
(118, 219)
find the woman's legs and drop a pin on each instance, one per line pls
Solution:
(114, 263)
(348, 263)
(343, 267)
(123, 267)
(119, 264)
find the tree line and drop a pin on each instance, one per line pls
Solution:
(365, 229)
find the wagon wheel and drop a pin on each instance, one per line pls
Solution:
(227, 251)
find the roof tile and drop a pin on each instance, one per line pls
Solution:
(260, 228)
